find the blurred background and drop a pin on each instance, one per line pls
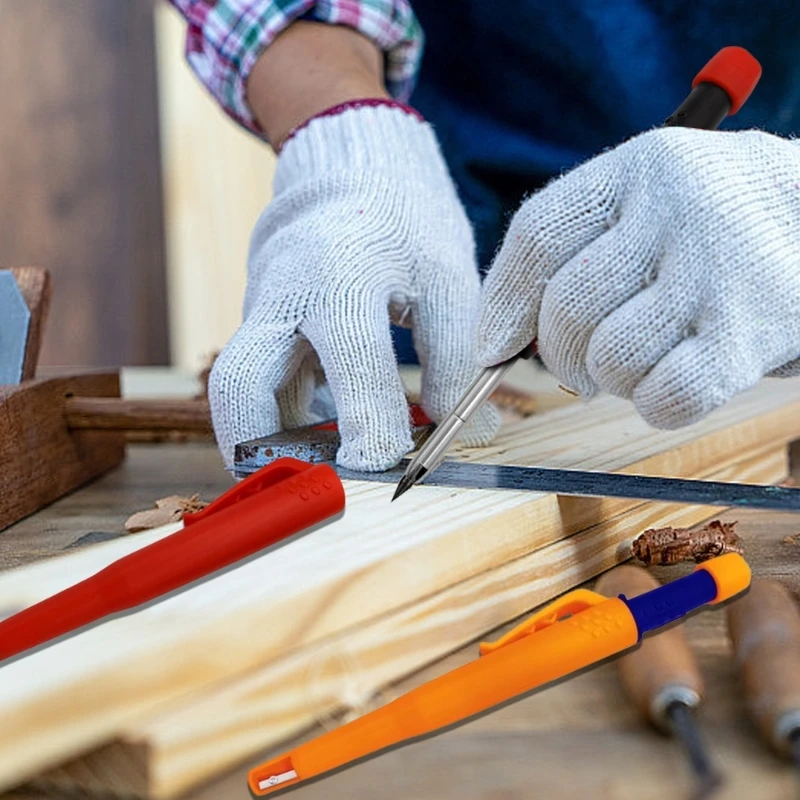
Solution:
(121, 175)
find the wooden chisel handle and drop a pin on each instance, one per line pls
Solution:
(112, 413)
(662, 670)
(765, 629)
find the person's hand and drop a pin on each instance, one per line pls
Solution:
(666, 271)
(365, 225)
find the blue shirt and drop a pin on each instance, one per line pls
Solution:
(519, 92)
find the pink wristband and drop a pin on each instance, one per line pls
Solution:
(369, 102)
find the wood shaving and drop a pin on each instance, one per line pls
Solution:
(792, 539)
(673, 545)
(167, 510)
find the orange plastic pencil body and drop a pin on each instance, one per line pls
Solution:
(513, 669)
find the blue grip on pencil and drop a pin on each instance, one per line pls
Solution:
(672, 601)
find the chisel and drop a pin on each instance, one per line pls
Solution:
(663, 679)
(764, 626)
(718, 90)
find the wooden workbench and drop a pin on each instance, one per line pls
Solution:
(579, 738)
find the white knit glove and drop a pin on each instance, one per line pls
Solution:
(666, 271)
(365, 225)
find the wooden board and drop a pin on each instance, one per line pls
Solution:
(181, 748)
(41, 459)
(79, 693)
(523, 744)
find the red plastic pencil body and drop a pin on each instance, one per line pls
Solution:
(281, 499)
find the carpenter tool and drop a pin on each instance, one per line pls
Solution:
(764, 626)
(274, 503)
(461, 474)
(576, 631)
(25, 294)
(718, 90)
(61, 432)
(663, 679)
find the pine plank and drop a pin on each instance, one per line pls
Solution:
(79, 693)
(180, 748)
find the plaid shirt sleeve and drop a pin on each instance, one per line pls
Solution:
(225, 38)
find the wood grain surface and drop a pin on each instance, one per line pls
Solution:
(195, 740)
(578, 739)
(41, 458)
(83, 691)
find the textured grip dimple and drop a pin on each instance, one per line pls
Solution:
(597, 622)
(308, 485)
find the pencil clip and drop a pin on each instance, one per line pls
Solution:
(571, 603)
(266, 477)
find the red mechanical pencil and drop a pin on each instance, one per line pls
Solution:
(281, 499)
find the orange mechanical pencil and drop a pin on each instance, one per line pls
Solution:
(540, 650)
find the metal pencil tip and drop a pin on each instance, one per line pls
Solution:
(405, 484)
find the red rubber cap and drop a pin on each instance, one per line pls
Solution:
(734, 70)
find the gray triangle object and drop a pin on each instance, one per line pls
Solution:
(15, 317)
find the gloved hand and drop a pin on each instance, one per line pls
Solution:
(666, 271)
(365, 224)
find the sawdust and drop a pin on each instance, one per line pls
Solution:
(167, 510)
(673, 545)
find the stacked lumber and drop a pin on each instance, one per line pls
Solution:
(154, 702)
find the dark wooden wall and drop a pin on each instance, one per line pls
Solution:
(80, 188)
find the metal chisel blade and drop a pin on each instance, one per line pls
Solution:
(595, 484)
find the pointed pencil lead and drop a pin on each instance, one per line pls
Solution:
(405, 484)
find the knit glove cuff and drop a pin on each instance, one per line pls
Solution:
(362, 138)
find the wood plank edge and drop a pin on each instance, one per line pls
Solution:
(174, 752)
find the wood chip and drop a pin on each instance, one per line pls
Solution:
(792, 539)
(167, 510)
(673, 545)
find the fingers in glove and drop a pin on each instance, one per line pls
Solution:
(698, 376)
(600, 279)
(352, 336)
(630, 342)
(241, 387)
(444, 338)
(548, 230)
